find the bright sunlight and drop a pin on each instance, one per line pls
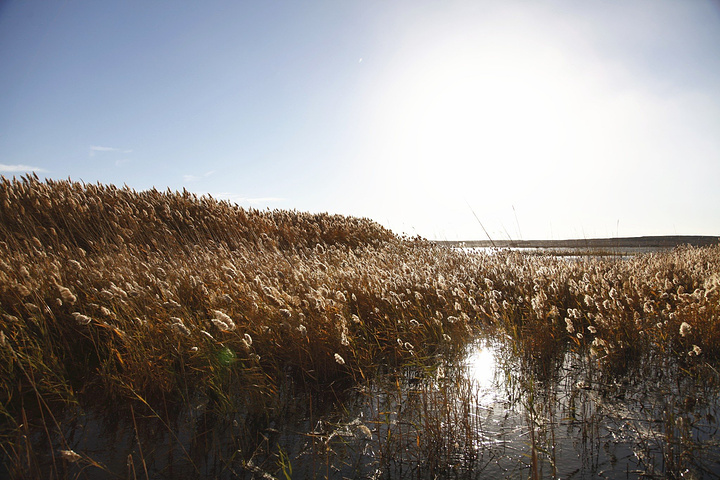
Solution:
(500, 120)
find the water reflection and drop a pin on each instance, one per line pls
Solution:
(483, 414)
(491, 417)
(660, 419)
(481, 370)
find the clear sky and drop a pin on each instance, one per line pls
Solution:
(545, 119)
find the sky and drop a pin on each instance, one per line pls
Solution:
(446, 119)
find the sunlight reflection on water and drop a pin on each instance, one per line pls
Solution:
(481, 369)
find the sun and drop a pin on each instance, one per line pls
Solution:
(466, 104)
(484, 121)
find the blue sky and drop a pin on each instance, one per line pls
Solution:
(545, 119)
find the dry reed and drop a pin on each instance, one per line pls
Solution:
(115, 296)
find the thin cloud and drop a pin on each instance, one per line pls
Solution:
(195, 178)
(97, 148)
(19, 168)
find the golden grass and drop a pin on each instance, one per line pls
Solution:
(123, 297)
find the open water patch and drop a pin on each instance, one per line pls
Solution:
(480, 413)
(489, 416)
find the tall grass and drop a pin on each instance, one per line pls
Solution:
(147, 300)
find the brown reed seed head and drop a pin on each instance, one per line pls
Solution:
(158, 282)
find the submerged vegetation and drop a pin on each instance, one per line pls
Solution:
(162, 306)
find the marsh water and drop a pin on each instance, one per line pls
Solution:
(570, 252)
(483, 414)
(490, 417)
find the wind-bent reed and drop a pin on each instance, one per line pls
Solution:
(146, 298)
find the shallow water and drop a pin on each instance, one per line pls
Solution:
(481, 414)
(488, 418)
(620, 253)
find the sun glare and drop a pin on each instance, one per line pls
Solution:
(481, 366)
(487, 122)
(467, 106)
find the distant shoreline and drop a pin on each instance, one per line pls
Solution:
(663, 241)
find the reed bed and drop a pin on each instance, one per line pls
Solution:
(146, 301)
